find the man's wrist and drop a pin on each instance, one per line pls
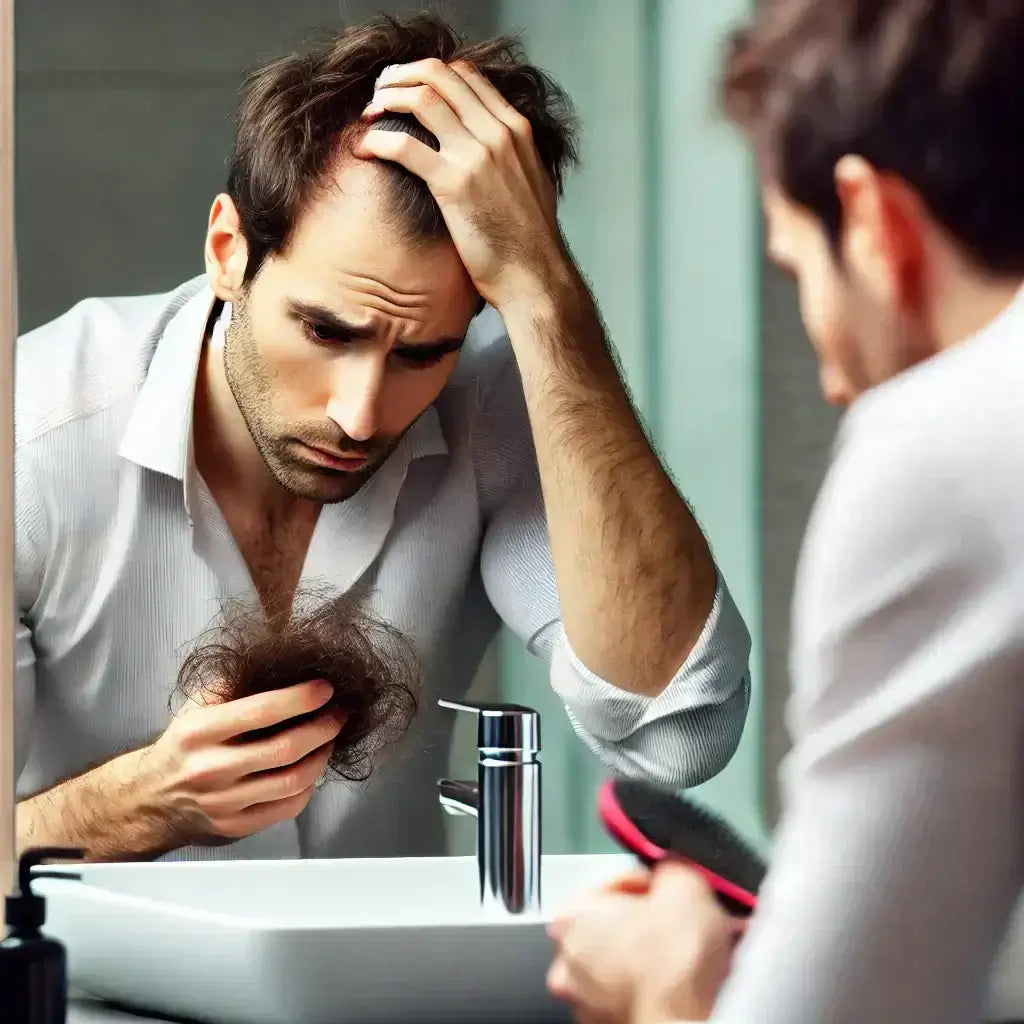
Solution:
(113, 812)
(654, 1009)
(147, 809)
(541, 298)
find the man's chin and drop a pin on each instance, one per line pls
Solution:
(326, 486)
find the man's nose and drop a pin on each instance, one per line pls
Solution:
(355, 395)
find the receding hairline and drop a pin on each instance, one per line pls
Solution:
(347, 174)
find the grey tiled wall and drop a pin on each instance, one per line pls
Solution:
(797, 428)
(123, 129)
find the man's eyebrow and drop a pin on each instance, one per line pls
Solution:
(437, 346)
(323, 317)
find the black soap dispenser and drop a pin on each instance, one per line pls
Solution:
(33, 967)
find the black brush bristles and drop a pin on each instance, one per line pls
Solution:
(654, 823)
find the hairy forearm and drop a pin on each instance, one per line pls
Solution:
(635, 575)
(105, 811)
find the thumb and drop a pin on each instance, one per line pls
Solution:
(681, 880)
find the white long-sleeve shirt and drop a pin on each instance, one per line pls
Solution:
(898, 860)
(123, 558)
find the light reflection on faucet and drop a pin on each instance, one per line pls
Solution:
(505, 800)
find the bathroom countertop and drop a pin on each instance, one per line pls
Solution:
(86, 1010)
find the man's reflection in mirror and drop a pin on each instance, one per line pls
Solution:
(389, 373)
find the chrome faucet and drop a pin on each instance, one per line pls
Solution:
(505, 800)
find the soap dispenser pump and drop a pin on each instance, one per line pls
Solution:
(33, 966)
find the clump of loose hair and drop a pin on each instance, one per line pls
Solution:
(295, 112)
(371, 665)
(926, 90)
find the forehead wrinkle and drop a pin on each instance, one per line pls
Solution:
(392, 299)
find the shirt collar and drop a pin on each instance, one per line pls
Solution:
(160, 426)
(159, 431)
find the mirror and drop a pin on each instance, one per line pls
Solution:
(124, 125)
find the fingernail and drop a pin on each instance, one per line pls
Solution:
(325, 689)
(371, 110)
(383, 76)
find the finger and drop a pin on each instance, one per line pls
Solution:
(269, 787)
(558, 980)
(447, 83)
(564, 982)
(220, 722)
(680, 880)
(473, 117)
(262, 816)
(575, 906)
(401, 148)
(591, 899)
(517, 127)
(428, 107)
(285, 748)
(489, 97)
(680, 886)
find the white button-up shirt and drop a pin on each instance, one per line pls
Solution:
(123, 558)
(899, 857)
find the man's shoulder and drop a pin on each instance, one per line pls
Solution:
(927, 464)
(956, 415)
(87, 359)
(486, 351)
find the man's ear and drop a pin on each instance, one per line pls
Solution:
(882, 240)
(226, 251)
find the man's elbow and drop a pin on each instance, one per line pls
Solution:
(688, 747)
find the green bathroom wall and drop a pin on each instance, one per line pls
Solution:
(662, 218)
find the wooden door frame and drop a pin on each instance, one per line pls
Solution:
(8, 331)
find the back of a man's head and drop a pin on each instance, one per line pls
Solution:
(927, 90)
(297, 113)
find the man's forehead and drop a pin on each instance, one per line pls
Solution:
(354, 189)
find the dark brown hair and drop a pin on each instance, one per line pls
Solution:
(372, 666)
(929, 91)
(294, 113)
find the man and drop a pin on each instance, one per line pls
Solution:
(390, 372)
(891, 137)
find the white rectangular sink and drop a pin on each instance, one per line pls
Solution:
(389, 941)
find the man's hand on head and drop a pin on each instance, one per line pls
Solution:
(497, 200)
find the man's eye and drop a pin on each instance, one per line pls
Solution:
(421, 359)
(321, 332)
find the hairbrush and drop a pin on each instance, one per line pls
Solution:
(659, 824)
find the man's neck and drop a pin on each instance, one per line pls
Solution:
(967, 303)
(226, 455)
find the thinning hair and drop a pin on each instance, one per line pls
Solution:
(297, 113)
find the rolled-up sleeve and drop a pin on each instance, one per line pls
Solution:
(689, 731)
(685, 734)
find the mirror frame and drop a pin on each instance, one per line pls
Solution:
(8, 331)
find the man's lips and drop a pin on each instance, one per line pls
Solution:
(334, 460)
